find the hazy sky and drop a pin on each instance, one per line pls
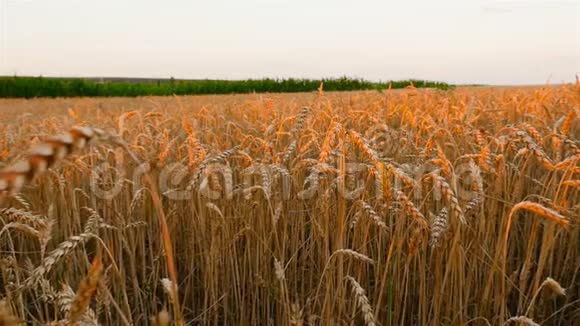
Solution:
(470, 41)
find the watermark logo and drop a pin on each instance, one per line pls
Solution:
(217, 180)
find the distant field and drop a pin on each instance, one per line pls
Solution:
(30, 87)
(399, 207)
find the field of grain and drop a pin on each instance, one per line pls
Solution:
(413, 207)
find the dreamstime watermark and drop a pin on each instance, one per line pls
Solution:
(175, 182)
(218, 181)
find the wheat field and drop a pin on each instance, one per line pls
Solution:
(412, 207)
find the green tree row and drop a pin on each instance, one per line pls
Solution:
(29, 87)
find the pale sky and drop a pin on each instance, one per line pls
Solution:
(470, 41)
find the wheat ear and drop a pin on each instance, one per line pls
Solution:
(7, 317)
(439, 226)
(45, 155)
(85, 292)
(523, 320)
(362, 301)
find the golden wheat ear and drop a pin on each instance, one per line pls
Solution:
(7, 316)
(45, 155)
(85, 292)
